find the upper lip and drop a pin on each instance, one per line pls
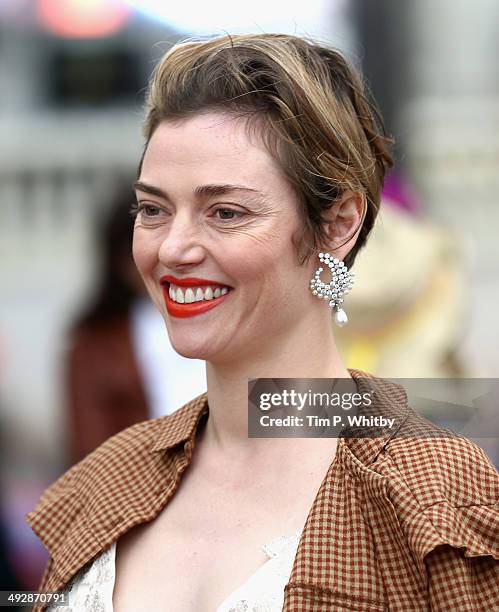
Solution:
(191, 281)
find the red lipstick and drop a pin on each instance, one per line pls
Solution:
(189, 310)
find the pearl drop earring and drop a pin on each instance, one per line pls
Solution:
(339, 286)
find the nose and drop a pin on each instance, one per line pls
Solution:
(182, 246)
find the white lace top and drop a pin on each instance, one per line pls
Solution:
(91, 589)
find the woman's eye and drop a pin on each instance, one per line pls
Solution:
(228, 214)
(149, 214)
(149, 210)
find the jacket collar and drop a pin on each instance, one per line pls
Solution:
(181, 426)
(389, 399)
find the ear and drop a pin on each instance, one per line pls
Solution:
(342, 223)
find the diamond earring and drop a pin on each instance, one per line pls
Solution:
(340, 285)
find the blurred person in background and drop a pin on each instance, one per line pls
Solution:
(264, 165)
(119, 369)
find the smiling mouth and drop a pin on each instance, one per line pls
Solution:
(190, 295)
(185, 302)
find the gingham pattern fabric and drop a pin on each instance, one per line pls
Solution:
(408, 521)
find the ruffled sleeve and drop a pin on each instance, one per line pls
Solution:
(458, 581)
(474, 529)
(431, 503)
(450, 517)
(462, 566)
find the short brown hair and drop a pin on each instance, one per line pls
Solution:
(319, 123)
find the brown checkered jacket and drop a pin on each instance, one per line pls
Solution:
(406, 522)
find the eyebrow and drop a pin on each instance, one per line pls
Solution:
(201, 191)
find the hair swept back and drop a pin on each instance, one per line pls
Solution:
(310, 101)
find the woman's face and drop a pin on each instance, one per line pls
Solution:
(215, 210)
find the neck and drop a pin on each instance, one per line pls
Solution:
(306, 353)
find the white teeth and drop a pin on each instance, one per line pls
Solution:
(189, 296)
(195, 294)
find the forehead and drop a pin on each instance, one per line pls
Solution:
(211, 147)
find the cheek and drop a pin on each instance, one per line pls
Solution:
(251, 264)
(289, 281)
(271, 275)
(272, 254)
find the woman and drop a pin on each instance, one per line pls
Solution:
(262, 157)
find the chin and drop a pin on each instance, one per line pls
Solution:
(190, 353)
(216, 355)
(192, 350)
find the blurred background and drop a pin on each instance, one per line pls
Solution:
(82, 352)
